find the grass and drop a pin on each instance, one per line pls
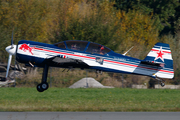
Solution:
(65, 99)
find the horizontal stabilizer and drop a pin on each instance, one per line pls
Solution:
(152, 63)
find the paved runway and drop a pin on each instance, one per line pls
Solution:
(89, 115)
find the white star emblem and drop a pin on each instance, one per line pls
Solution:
(160, 54)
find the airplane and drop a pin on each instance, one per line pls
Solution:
(158, 63)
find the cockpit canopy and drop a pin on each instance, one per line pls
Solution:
(83, 46)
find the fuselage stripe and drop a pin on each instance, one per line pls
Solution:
(104, 60)
(162, 51)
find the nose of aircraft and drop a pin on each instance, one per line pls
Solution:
(11, 49)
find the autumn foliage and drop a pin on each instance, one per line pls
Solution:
(52, 21)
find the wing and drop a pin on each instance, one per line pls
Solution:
(59, 61)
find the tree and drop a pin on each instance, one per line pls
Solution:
(166, 10)
(31, 20)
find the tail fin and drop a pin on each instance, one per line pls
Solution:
(161, 54)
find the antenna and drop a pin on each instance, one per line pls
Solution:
(127, 51)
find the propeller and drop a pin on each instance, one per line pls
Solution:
(12, 39)
(12, 51)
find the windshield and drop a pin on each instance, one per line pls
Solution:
(60, 45)
(97, 49)
(76, 45)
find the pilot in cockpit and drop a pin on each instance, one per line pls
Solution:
(101, 50)
(74, 46)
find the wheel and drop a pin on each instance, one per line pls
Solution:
(44, 85)
(162, 84)
(39, 89)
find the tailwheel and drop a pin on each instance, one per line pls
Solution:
(162, 84)
(161, 80)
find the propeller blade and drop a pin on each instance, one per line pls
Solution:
(8, 65)
(12, 39)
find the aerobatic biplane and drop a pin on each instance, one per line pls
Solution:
(88, 55)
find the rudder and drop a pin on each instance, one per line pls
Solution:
(161, 53)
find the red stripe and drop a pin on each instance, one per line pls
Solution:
(167, 71)
(64, 53)
(38, 48)
(121, 63)
(162, 51)
(104, 60)
(156, 69)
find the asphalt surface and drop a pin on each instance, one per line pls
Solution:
(89, 115)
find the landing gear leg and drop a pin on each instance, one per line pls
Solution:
(162, 81)
(43, 85)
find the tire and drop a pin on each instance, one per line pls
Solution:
(162, 84)
(44, 86)
(39, 89)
